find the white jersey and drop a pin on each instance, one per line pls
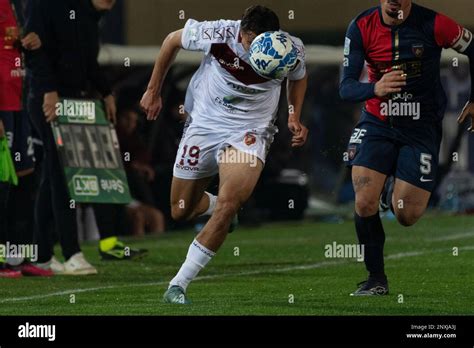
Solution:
(226, 92)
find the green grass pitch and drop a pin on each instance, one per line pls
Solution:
(277, 263)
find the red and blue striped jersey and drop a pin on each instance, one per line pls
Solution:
(414, 46)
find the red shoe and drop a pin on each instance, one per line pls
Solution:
(30, 270)
(9, 273)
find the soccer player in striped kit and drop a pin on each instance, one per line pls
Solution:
(399, 132)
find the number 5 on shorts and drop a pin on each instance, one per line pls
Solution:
(425, 160)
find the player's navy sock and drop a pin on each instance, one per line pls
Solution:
(371, 234)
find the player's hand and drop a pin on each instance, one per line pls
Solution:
(31, 42)
(50, 101)
(468, 111)
(151, 103)
(391, 82)
(299, 131)
(111, 108)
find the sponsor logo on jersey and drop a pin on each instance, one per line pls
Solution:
(463, 42)
(187, 168)
(357, 136)
(193, 34)
(347, 46)
(229, 107)
(250, 139)
(218, 33)
(244, 89)
(232, 99)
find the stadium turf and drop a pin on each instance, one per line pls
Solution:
(280, 270)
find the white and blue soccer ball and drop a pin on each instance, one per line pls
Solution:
(273, 55)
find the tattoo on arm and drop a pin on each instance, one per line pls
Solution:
(360, 182)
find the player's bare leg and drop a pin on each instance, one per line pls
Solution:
(409, 202)
(368, 185)
(237, 182)
(189, 198)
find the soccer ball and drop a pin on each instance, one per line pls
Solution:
(272, 55)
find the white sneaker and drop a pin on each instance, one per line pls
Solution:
(78, 265)
(52, 265)
(56, 266)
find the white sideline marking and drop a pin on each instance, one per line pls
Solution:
(223, 275)
(452, 237)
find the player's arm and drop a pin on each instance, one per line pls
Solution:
(151, 101)
(468, 110)
(449, 34)
(297, 84)
(351, 89)
(296, 90)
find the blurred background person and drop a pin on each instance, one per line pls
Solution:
(16, 177)
(144, 215)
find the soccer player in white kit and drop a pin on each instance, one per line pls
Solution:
(229, 130)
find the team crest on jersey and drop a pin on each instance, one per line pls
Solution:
(352, 152)
(250, 139)
(418, 50)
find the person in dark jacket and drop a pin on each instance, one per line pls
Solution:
(66, 67)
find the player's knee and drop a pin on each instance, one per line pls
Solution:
(366, 206)
(406, 218)
(180, 213)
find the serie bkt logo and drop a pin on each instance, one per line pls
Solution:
(85, 185)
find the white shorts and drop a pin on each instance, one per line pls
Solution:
(201, 150)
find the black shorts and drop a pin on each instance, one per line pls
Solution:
(18, 131)
(410, 152)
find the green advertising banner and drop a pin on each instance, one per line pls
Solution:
(89, 151)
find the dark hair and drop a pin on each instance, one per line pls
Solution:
(259, 19)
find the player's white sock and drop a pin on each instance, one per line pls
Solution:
(212, 204)
(197, 258)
